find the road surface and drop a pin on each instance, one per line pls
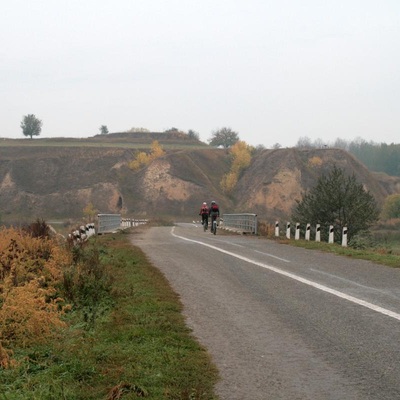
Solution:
(283, 322)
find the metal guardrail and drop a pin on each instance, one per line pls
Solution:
(108, 223)
(112, 222)
(246, 222)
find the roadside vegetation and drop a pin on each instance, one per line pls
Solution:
(380, 245)
(92, 322)
(338, 200)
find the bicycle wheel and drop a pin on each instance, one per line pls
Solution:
(214, 227)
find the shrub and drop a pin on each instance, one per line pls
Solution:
(87, 285)
(30, 272)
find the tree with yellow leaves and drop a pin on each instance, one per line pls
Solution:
(89, 212)
(143, 159)
(241, 159)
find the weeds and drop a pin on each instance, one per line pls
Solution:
(124, 337)
(87, 284)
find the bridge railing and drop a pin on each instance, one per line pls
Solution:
(245, 222)
(111, 222)
(108, 223)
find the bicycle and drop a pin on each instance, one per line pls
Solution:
(214, 225)
(205, 224)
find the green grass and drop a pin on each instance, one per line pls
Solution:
(380, 255)
(139, 346)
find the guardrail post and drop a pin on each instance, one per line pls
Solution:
(330, 240)
(297, 233)
(344, 237)
(307, 236)
(288, 230)
(318, 233)
(276, 228)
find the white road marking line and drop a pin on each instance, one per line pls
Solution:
(385, 292)
(272, 256)
(316, 285)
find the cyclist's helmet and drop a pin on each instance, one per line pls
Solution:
(213, 202)
(204, 204)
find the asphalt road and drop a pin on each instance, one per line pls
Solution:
(283, 322)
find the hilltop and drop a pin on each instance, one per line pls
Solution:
(57, 178)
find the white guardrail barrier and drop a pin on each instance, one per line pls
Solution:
(246, 222)
(107, 223)
(317, 232)
(111, 222)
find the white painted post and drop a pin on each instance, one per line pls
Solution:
(330, 240)
(307, 232)
(318, 233)
(344, 237)
(307, 235)
(277, 229)
(297, 233)
(288, 230)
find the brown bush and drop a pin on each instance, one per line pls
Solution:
(30, 270)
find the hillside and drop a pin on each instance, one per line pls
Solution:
(56, 179)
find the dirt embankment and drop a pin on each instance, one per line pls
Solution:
(60, 181)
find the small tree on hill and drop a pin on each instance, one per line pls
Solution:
(193, 134)
(31, 126)
(337, 200)
(103, 130)
(224, 137)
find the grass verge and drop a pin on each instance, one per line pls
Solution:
(378, 255)
(139, 345)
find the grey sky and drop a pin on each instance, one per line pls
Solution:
(273, 71)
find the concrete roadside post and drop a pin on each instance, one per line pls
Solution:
(297, 233)
(344, 237)
(330, 240)
(318, 233)
(307, 236)
(288, 230)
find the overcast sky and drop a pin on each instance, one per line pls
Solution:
(272, 70)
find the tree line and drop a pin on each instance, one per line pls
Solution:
(378, 157)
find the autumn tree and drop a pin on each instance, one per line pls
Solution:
(224, 137)
(241, 159)
(31, 126)
(337, 200)
(143, 158)
(156, 150)
(89, 212)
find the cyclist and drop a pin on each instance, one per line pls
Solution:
(214, 213)
(204, 214)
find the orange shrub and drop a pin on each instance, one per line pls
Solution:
(315, 161)
(30, 270)
(28, 316)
